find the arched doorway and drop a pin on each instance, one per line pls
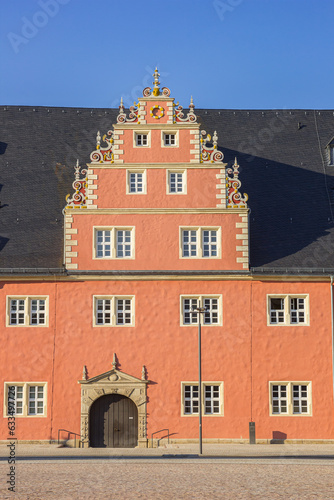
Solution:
(113, 422)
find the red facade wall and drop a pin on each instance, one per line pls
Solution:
(244, 353)
(157, 241)
(201, 189)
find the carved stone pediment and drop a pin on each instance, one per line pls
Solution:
(113, 376)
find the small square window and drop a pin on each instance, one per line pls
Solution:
(113, 311)
(211, 316)
(211, 396)
(136, 182)
(25, 399)
(141, 140)
(290, 398)
(169, 139)
(200, 243)
(27, 311)
(176, 182)
(114, 243)
(288, 310)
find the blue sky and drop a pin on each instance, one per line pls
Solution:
(228, 54)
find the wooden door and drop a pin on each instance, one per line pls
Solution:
(113, 422)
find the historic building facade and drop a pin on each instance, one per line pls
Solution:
(106, 346)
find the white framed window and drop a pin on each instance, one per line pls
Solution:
(114, 243)
(123, 243)
(141, 139)
(290, 398)
(169, 139)
(136, 182)
(191, 399)
(212, 316)
(176, 182)
(200, 243)
(25, 399)
(27, 311)
(212, 398)
(288, 310)
(114, 311)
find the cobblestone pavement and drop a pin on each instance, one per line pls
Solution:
(171, 478)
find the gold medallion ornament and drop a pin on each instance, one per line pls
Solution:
(157, 112)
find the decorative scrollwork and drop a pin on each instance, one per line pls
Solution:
(210, 153)
(233, 184)
(133, 116)
(121, 118)
(179, 115)
(156, 92)
(147, 91)
(104, 154)
(165, 91)
(79, 185)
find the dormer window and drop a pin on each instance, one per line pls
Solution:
(331, 155)
(330, 152)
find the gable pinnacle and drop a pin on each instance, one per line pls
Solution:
(121, 106)
(156, 83)
(114, 362)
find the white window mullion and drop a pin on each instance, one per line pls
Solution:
(211, 399)
(18, 312)
(189, 317)
(37, 312)
(191, 399)
(123, 311)
(103, 311)
(300, 400)
(279, 399)
(209, 243)
(123, 243)
(189, 242)
(15, 400)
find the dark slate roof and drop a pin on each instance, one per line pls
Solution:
(283, 168)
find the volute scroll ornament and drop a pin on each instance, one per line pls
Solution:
(78, 199)
(103, 154)
(233, 184)
(210, 153)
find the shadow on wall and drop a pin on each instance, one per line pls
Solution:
(290, 208)
(278, 437)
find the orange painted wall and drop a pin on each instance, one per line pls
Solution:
(159, 232)
(155, 153)
(201, 189)
(244, 353)
(155, 102)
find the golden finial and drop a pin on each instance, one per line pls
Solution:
(156, 83)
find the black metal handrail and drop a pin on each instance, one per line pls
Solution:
(69, 434)
(157, 432)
